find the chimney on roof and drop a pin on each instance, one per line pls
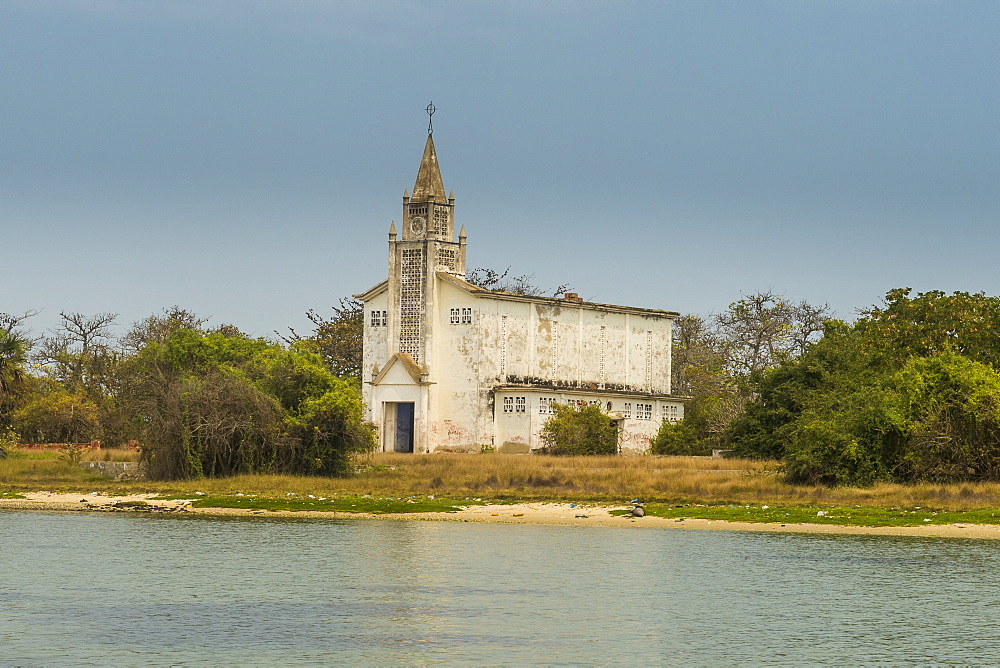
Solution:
(572, 297)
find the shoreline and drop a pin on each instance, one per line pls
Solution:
(537, 513)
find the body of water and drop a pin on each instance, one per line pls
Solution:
(82, 588)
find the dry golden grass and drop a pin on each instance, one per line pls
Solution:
(531, 477)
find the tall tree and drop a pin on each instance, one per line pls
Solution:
(79, 352)
(763, 329)
(158, 327)
(338, 339)
(13, 357)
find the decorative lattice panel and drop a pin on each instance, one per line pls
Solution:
(439, 224)
(649, 359)
(411, 301)
(446, 258)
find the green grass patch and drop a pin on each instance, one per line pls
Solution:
(11, 495)
(345, 504)
(857, 516)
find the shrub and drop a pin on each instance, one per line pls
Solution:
(580, 430)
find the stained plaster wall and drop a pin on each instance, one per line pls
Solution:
(376, 350)
(462, 408)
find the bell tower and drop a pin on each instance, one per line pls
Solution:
(427, 246)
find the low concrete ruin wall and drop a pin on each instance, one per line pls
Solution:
(116, 470)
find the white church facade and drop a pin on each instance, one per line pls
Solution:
(449, 366)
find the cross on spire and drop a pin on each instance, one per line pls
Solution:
(430, 109)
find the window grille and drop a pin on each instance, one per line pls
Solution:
(508, 404)
(520, 405)
(627, 410)
(545, 405)
(668, 413)
(455, 315)
(644, 411)
(466, 316)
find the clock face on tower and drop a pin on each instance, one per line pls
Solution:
(418, 226)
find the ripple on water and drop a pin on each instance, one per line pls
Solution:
(127, 589)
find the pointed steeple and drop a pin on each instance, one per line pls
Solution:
(429, 184)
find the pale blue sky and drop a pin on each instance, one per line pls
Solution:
(244, 159)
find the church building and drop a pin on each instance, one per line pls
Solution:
(453, 367)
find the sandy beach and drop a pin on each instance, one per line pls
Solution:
(525, 513)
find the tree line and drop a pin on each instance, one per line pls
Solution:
(202, 401)
(909, 391)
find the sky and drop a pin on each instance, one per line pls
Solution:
(244, 160)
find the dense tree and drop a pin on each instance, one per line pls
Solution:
(908, 392)
(57, 415)
(715, 359)
(219, 404)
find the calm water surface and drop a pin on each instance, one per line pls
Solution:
(81, 589)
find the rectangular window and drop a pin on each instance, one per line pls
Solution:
(668, 413)
(466, 316)
(627, 410)
(455, 315)
(545, 406)
(520, 405)
(508, 404)
(379, 318)
(644, 411)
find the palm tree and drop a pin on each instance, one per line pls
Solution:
(13, 356)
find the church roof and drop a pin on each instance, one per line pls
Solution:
(509, 296)
(373, 291)
(407, 362)
(429, 182)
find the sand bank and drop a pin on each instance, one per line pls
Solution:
(524, 513)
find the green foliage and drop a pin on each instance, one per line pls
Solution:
(909, 392)
(220, 404)
(690, 436)
(58, 416)
(337, 339)
(579, 430)
(13, 357)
